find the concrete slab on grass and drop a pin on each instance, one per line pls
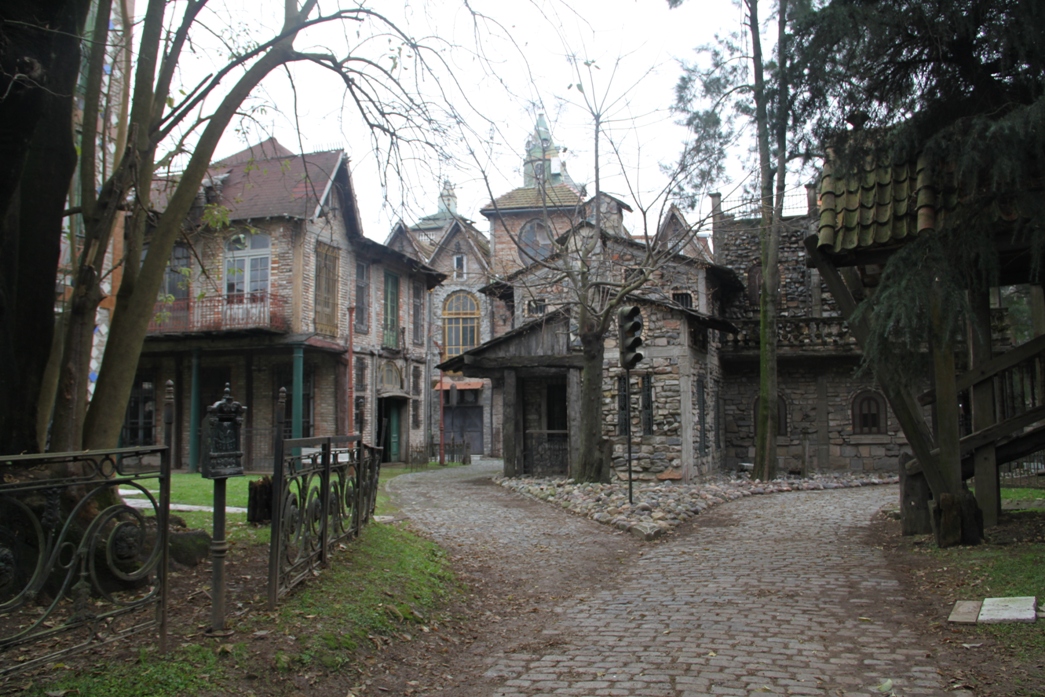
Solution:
(965, 612)
(1019, 609)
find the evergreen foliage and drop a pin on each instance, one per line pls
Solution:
(959, 84)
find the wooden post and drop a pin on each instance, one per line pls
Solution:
(509, 397)
(985, 468)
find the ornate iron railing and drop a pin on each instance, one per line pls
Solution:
(324, 491)
(232, 311)
(78, 567)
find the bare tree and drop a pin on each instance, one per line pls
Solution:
(592, 266)
(382, 68)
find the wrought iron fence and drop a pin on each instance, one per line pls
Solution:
(254, 310)
(323, 490)
(453, 451)
(78, 567)
(1026, 472)
(546, 453)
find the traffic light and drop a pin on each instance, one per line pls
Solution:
(630, 320)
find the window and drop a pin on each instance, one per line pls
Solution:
(362, 297)
(139, 423)
(683, 300)
(869, 413)
(176, 277)
(418, 302)
(647, 405)
(247, 267)
(460, 324)
(702, 419)
(536, 308)
(623, 412)
(360, 413)
(326, 289)
(698, 336)
(391, 379)
(535, 243)
(781, 415)
(390, 326)
(360, 381)
(415, 413)
(415, 381)
(460, 267)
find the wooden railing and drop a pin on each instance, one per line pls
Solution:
(234, 311)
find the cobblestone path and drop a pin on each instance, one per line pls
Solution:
(772, 594)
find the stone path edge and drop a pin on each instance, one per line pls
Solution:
(660, 508)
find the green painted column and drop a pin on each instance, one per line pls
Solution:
(194, 413)
(297, 392)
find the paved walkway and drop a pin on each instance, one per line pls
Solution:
(767, 595)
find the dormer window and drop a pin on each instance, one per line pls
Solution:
(535, 243)
(460, 267)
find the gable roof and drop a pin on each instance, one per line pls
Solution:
(476, 240)
(283, 185)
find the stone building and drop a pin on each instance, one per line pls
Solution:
(533, 359)
(281, 289)
(831, 417)
(462, 318)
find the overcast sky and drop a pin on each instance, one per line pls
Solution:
(509, 67)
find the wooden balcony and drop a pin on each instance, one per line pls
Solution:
(222, 313)
(796, 337)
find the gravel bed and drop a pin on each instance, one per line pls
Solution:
(662, 506)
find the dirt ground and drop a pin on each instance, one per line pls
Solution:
(969, 656)
(503, 610)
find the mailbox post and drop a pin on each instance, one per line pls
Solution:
(222, 458)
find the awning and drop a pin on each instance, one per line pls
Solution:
(461, 383)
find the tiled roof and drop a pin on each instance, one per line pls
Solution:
(288, 186)
(529, 198)
(882, 205)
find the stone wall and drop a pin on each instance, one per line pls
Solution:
(820, 435)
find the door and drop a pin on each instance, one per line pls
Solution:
(393, 433)
(464, 423)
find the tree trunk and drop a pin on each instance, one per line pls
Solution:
(767, 417)
(38, 160)
(591, 465)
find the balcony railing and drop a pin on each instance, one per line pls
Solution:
(234, 311)
(795, 335)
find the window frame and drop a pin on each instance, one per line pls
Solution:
(418, 316)
(326, 289)
(460, 270)
(390, 316)
(457, 323)
(362, 313)
(256, 261)
(864, 397)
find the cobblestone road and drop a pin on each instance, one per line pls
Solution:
(772, 594)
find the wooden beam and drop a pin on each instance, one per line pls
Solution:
(991, 367)
(985, 468)
(509, 409)
(901, 400)
(947, 417)
(502, 362)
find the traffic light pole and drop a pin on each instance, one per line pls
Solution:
(627, 400)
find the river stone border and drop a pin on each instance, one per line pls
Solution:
(661, 507)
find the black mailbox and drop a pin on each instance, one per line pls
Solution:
(220, 439)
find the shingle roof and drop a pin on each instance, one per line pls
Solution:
(882, 205)
(532, 198)
(286, 186)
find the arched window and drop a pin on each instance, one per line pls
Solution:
(754, 283)
(534, 242)
(460, 323)
(391, 378)
(869, 413)
(781, 415)
(247, 266)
